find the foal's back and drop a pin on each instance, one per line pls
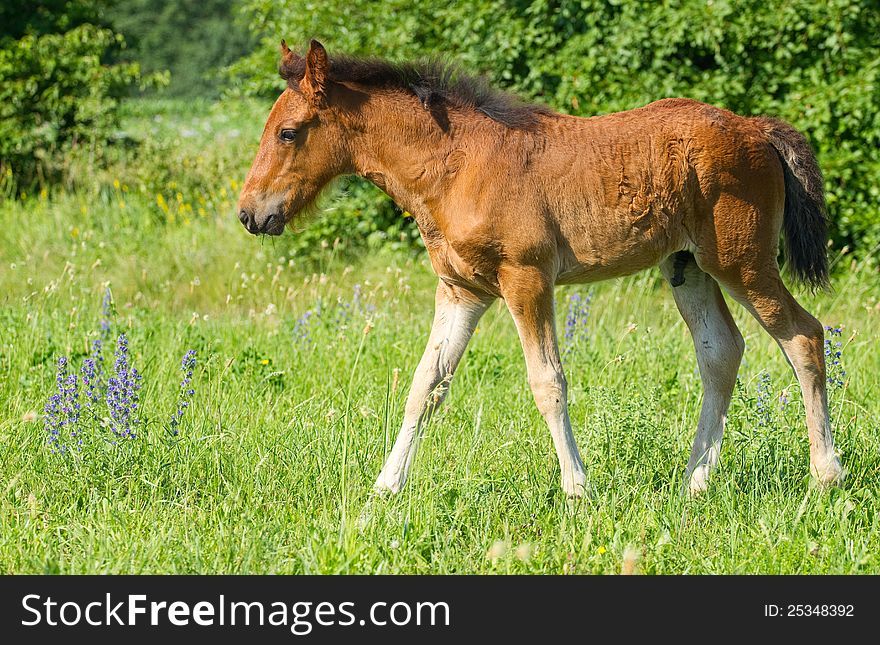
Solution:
(621, 192)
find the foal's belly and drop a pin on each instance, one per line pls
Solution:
(601, 259)
(605, 268)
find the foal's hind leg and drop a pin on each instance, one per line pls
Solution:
(719, 347)
(801, 338)
(456, 315)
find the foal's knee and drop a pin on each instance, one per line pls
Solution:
(550, 392)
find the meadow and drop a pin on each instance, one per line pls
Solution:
(302, 364)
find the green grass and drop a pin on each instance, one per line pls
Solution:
(276, 458)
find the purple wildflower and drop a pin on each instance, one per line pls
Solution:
(345, 310)
(576, 319)
(89, 374)
(187, 365)
(63, 408)
(301, 328)
(122, 394)
(833, 353)
(106, 307)
(783, 400)
(97, 358)
(52, 409)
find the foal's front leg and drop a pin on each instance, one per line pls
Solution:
(456, 315)
(529, 297)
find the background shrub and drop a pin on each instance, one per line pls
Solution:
(57, 91)
(63, 71)
(191, 39)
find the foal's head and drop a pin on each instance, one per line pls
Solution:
(302, 148)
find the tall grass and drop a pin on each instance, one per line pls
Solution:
(292, 415)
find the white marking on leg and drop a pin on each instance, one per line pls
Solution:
(537, 331)
(719, 347)
(455, 318)
(551, 397)
(801, 352)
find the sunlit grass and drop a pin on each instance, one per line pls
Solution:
(292, 416)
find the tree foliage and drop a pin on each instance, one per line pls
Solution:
(56, 88)
(814, 64)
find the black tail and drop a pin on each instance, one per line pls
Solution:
(805, 223)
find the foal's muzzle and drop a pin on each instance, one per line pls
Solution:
(271, 225)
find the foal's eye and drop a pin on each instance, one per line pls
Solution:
(287, 135)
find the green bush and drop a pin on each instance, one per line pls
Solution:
(56, 93)
(815, 64)
(183, 164)
(355, 217)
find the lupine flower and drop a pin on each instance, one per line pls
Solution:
(301, 328)
(576, 320)
(63, 408)
(122, 394)
(763, 397)
(106, 311)
(833, 353)
(783, 400)
(187, 365)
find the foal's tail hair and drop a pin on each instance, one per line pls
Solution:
(805, 222)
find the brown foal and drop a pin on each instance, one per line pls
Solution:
(512, 199)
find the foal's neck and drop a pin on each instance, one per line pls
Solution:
(411, 152)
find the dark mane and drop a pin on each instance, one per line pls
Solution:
(433, 81)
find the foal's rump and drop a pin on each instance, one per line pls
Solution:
(674, 175)
(733, 183)
(757, 176)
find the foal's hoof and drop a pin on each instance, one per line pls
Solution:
(388, 484)
(577, 487)
(699, 481)
(828, 474)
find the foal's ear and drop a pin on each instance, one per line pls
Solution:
(289, 62)
(287, 56)
(313, 84)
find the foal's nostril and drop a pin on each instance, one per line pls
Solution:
(247, 218)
